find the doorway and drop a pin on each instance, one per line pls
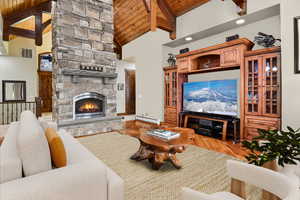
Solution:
(130, 92)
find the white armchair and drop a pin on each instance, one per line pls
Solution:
(269, 180)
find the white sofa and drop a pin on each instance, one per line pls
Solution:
(84, 177)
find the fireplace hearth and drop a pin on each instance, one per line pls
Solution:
(89, 105)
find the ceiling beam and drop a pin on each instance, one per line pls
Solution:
(20, 15)
(243, 6)
(37, 11)
(21, 32)
(168, 13)
(153, 15)
(39, 29)
(155, 21)
(46, 24)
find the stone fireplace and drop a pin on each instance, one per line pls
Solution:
(84, 70)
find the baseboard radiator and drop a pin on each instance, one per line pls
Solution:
(148, 119)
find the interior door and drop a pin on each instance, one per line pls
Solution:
(253, 98)
(45, 90)
(271, 85)
(130, 91)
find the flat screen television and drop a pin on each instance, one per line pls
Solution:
(215, 97)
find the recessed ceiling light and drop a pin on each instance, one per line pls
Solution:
(188, 38)
(240, 21)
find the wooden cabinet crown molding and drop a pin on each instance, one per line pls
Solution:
(241, 41)
(262, 51)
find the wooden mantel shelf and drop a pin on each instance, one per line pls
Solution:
(76, 73)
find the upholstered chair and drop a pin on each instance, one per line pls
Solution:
(271, 181)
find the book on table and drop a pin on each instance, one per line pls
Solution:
(163, 134)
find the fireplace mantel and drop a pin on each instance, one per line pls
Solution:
(76, 73)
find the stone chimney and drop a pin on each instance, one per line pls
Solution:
(84, 62)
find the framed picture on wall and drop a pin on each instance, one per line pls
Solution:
(297, 44)
(45, 62)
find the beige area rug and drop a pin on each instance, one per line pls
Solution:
(202, 170)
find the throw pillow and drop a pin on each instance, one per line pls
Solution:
(33, 146)
(57, 149)
(10, 162)
(1, 139)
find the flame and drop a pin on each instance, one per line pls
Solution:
(89, 107)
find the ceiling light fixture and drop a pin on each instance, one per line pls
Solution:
(188, 38)
(240, 21)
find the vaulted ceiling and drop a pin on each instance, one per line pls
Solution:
(133, 18)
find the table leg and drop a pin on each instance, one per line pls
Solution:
(175, 161)
(143, 153)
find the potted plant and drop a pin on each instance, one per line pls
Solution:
(273, 145)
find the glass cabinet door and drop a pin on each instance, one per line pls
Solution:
(253, 83)
(271, 85)
(174, 88)
(167, 89)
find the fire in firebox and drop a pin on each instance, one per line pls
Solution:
(89, 107)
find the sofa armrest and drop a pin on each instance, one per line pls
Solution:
(85, 180)
(115, 186)
(189, 194)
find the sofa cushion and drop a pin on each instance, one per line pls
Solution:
(10, 162)
(57, 149)
(33, 145)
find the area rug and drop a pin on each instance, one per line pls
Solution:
(203, 170)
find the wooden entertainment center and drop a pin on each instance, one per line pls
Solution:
(260, 83)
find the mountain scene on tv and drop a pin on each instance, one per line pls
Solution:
(217, 97)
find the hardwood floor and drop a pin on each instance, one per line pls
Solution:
(132, 128)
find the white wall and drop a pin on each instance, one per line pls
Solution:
(210, 14)
(121, 67)
(17, 65)
(270, 25)
(148, 56)
(291, 81)
(255, 5)
(22, 69)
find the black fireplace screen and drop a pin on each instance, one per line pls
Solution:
(89, 105)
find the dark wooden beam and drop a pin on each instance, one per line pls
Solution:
(21, 32)
(46, 24)
(118, 49)
(20, 15)
(243, 5)
(39, 29)
(36, 11)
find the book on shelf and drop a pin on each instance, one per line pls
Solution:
(163, 134)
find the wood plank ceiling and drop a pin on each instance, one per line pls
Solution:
(132, 17)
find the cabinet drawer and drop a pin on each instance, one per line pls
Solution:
(170, 115)
(182, 65)
(262, 123)
(251, 133)
(230, 57)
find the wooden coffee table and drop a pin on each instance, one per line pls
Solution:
(158, 151)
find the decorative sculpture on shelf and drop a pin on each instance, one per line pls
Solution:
(265, 40)
(172, 60)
